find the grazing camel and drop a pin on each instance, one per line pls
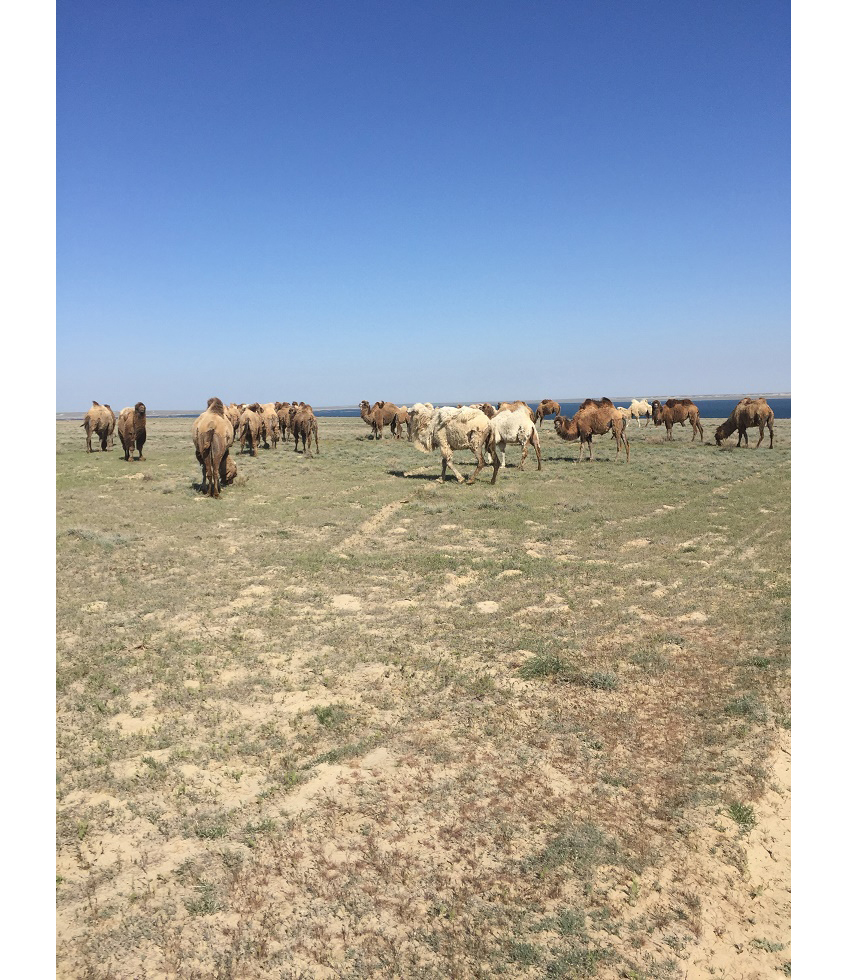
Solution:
(304, 427)
(748, 413)
(675, 410)
(212, 434)
(640, 409)
(100, 420)
(594, 418)
(511, 427)
(132, 429)
(546, 407)
(378, 415)
(450, 429)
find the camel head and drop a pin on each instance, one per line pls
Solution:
(229, 470)
(723, 431)
(566, 428)
(656, 412)
(419, 422)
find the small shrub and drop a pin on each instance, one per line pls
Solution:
(743, 815)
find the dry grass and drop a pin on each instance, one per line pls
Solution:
(347, 722)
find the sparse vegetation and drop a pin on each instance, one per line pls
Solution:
(463, 731)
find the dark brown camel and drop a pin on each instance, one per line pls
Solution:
(747, 414)
(675, 410)
(594, 418)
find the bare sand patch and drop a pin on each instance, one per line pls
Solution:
(346, 603)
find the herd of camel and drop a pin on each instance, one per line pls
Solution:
(481, 428)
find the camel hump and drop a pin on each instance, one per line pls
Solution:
(95, 404)
(607, 401)
(216, 406)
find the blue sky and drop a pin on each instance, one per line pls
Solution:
(332, 201)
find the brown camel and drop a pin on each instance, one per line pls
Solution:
(402, 419)
(132, 429)
(250, 426)
(675, 410)
(594, 418)
(271, 424)
(212, 434)
(232, 412)
(282, 409)
(748, 413)
(486, 408)
(100, 420)
(378, 415)
(304, 427)
(546, 407)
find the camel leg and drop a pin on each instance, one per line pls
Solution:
(536, 443)
(478, 448)
(770, 428)
(761, 434)
(524, 456)
(498, 460)
(454, 469)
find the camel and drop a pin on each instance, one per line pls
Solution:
(675, 410)
(450, 429)
(513, 407)
(250, 426)
(748, 413)
(546, 407)
(508, 427)
(378, 415)
(271, 424)
(640, 409)
(282, 409)
(132, 430)
(100, 420)
(212, 434)
(305, 426)
(594, 418)
(232, 412)
(402, 419)
(486, 408)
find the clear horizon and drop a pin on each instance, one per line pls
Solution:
(327, 202)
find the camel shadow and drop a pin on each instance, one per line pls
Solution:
(411, 476)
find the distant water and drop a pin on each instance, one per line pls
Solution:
(710, 408)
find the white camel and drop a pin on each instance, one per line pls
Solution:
(449, 429)
(640, 409)
(514, 427)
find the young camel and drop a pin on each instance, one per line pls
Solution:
(748, 413)
(594, 418)
(675, 410)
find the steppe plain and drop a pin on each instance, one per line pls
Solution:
(348, 722)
